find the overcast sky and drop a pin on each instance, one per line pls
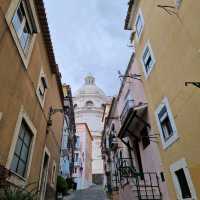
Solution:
(88, 37)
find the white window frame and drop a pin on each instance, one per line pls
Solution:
(175, 135)
(139, 15)
(1, 116)
(9, 16)
(148, 45)
(182, 164)
(22, 116)
(42, 75)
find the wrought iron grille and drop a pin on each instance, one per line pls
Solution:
(145, 184)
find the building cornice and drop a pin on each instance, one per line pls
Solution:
(48, 43)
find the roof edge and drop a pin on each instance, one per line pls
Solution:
(48, 43)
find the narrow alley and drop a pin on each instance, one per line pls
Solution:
(92, 193)
(99, 100)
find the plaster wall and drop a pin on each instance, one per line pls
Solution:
(175, 43)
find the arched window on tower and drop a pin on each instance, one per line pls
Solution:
(89, 103)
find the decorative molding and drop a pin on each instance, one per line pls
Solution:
(147, 45)
(22, 116)
(182, 164)
(175, 135)
(9, 15)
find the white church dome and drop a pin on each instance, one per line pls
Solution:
(89, 88)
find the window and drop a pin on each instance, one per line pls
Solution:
(182, 180)
(75, 170)
(78, 142)
(23, 26)
(75, 106)
(42, 87)
(166, 124)
(139, 24)
(162, 176)
(148, 60)
(22, 148)
(76, 157)
(145, 137)
(89, 103)
(185, 190)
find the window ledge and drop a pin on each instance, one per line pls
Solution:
(17, 180)
(170, 141)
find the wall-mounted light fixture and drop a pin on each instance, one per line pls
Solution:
(130, 75)
(52, 111)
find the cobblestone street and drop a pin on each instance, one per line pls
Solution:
(92, 193)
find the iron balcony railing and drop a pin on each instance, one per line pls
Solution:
(129, 104)
(77, 162)
(145, 185)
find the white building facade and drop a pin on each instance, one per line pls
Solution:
(89, 104)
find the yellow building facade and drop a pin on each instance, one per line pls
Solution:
(31, 89)
(165, 36)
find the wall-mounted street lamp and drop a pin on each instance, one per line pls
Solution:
(130, 75)
(196, 84)
(52, 111)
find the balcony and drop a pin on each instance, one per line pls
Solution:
(77, 162)
(127, 108)
(133, 119)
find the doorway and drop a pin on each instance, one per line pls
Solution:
(44, 176)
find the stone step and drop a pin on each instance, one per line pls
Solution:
(149, 197)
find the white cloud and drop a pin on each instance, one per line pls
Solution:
(88, 36)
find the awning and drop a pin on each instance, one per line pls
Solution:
(134, 122)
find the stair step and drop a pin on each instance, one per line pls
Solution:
(149, 197)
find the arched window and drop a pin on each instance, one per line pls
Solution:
(75, 106)
(89, 103)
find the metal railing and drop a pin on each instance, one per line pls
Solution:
(77, 162)
(129, 104)
(145, 184)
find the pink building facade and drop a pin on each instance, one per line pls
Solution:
(133, 169)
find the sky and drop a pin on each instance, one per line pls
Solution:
(88, 37)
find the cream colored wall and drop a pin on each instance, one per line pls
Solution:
(175, 43)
